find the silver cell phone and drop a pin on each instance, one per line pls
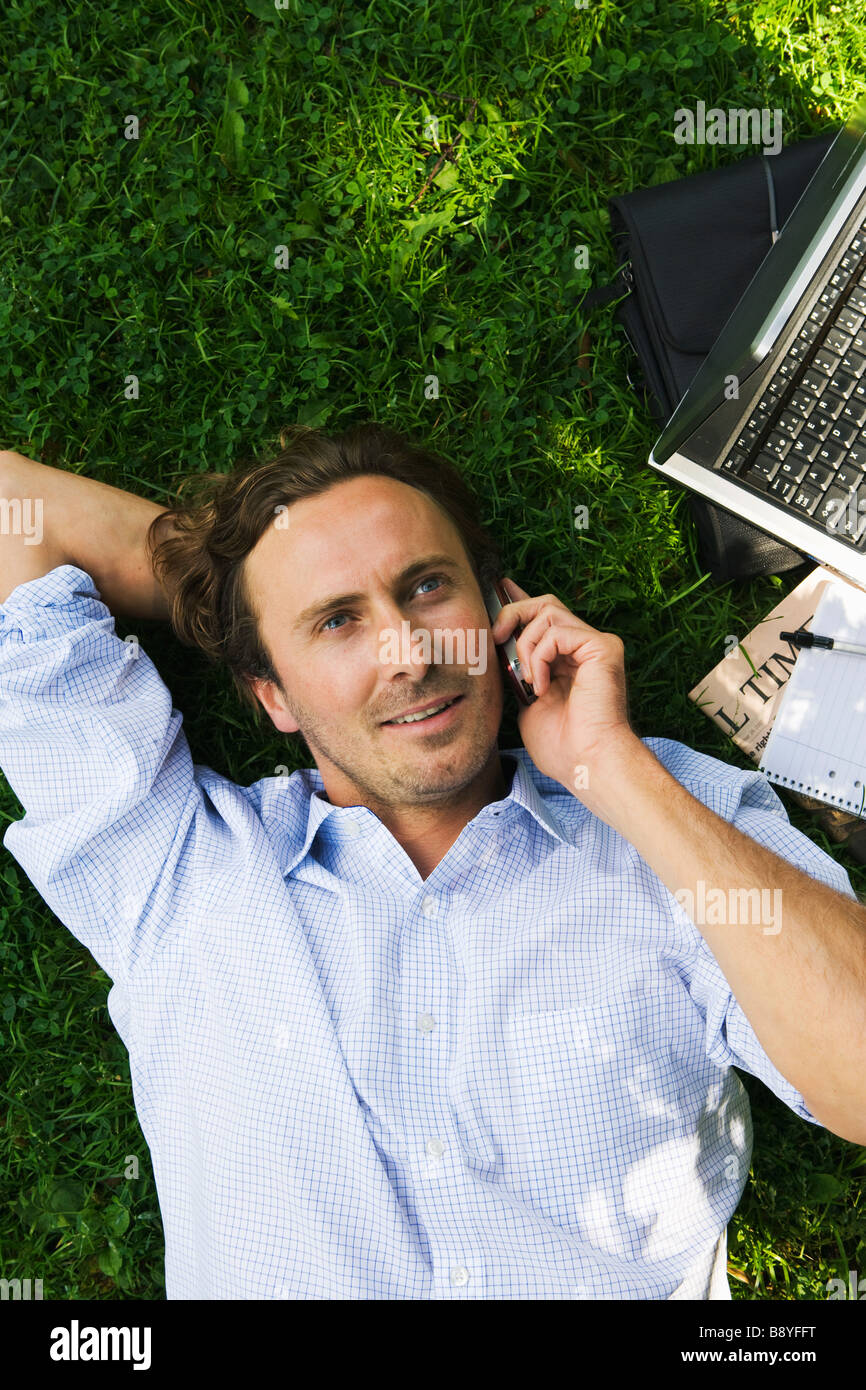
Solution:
(495, 599)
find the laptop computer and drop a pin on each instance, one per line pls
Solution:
(773, 426)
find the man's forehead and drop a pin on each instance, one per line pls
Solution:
(341, 535)
(347, 507)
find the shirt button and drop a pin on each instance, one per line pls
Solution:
(460, 1275)
(428, 906)
(435, 1147)
(426, 1023)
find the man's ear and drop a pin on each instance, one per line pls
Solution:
(271, 698)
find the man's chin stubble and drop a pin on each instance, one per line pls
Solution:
(407, 780)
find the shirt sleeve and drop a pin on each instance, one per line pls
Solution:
(95, 753)
(730, 1039)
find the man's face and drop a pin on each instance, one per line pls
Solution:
(341, 680)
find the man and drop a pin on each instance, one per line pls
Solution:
(430, 1021)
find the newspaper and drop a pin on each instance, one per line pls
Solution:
(744, 691)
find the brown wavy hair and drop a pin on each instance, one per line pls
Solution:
(201, 565)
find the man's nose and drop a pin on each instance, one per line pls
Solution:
(401, 646)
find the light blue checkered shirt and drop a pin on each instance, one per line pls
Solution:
(511, 1079)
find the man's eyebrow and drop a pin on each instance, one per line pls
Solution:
(318, 610)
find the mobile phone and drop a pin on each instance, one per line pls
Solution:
(495, 599)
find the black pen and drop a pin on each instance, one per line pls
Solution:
(802, 638)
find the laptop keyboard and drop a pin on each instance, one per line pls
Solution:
(804, 443)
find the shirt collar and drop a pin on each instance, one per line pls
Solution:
(526, 793)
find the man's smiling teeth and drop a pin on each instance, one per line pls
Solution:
(425, 714)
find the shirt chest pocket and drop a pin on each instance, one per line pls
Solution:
(594, 1091)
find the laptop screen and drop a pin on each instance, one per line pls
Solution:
(777, 285)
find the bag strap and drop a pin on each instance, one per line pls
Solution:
(622, 283)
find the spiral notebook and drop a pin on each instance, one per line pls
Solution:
(818, 741)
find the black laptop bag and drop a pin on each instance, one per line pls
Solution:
(688, 249)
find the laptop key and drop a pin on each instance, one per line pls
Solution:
(853, 362)
(782, 488)
(801, 403)
(793, 468)
(825, 361)
(842, 382)
(790, 423)
(854, 413)
(831, 405)
(764, 470)
(800, 349)
(848, 320)
(857, 299)
(843, 433)
(758, 420)
(773, 393)
(747, 440)
(837, 341)
(856, 455)
(829, 296)
(813, 382)
(788, 368)
(841, 275)
(778, 444)
(806, 499)
(734, 462)
(819, 424)
(805, 447)
(830, 455)
(832, 503)
(848, 477)
(819, 475)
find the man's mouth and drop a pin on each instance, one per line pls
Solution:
(435, 717)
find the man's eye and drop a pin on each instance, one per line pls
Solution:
(439, 579)
(325, 627)
(431, 579)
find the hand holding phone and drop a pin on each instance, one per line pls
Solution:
(495, 598)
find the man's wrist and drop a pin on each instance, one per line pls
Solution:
(607, 782)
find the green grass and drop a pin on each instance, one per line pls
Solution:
(154, 257)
